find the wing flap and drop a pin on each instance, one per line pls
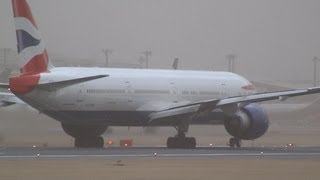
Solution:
(185, 112)
(172, 115)
(193, 110)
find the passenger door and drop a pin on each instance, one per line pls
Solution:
(174, 92)
(129, 93)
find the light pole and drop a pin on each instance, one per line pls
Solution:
(107, 53)
(141, 60)
(231, 62)
(315, 60)
(5, 54)
(147, 54)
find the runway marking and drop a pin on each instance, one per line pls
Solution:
(162, 155)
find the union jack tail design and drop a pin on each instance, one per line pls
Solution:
(31, 48)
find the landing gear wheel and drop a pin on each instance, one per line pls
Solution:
(192, 142)
(238, 143)
(235, 142)
(89, 142)
(171, 143)
(180, 140)
(232, 142)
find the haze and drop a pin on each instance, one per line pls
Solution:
(273, 39)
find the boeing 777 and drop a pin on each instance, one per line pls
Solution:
(88, 100)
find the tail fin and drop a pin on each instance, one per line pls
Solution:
(175, 63)
(31, 48)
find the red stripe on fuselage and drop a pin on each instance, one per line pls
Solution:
(22, 9)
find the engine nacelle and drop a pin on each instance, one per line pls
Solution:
(250, 123)
(77, 131)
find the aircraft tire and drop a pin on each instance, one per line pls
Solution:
(232, 142)
(89, 142)
(238, 143)
(192, 142)
(171, 142)
(181, 142)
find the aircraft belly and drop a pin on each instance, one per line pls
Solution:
(112, 118)
(123, 118)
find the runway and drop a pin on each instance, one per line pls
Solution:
(162, 152)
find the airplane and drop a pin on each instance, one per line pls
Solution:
(86, 101)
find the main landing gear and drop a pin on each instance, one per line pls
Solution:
(235, 142)
(180, 140)
(86, 135)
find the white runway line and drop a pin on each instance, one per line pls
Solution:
(165, 155)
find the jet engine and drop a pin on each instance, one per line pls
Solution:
(84, 130)
(86, 135)
(249, 123)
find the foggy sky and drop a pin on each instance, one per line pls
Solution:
(273, 39)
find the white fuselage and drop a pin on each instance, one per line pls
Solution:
(129, 95)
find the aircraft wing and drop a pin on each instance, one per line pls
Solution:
(193, 110)
(260, 97)
(7, 99)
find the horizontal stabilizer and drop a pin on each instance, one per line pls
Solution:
(69, 82)
(5, 103)
(4, 85)
(7, 99)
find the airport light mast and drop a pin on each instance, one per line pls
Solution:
(141, 60)
(147, 54)
(231, 62)
(5, 54)
(107, 53)
(315, 60)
